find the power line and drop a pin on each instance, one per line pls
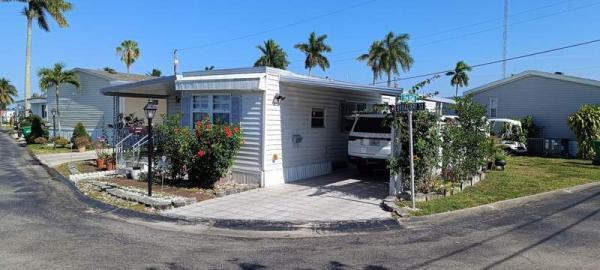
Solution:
(280, 27)
(467, 26)
(490, 29)
(500, 61)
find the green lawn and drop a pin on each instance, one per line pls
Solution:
(523, 176)
(39, 149)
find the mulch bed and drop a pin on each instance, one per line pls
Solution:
(180, 188)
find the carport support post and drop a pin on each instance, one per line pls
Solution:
(394, 177)
(412, 164)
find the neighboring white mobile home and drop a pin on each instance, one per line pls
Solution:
(294, 126)
(87, 104)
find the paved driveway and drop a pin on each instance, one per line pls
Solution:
(52, 160)
(337, 197)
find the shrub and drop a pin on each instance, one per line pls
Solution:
(465, 141)
(79, 131)
(426, 147)
(176, 144)
(40, 140)
(215, 151)
(37, 129)
(585, 123)
(61, 141)
(530, 130)
(81, 141)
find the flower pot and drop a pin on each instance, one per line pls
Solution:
(101, 163)
(110, 166)
(81, 149)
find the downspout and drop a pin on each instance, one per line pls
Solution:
(264, 130)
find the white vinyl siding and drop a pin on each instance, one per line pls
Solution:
(86, 105)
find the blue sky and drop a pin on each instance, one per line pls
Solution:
(97, 27)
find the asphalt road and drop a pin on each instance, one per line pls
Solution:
(43, 225)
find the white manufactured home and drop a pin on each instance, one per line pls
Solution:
(294, 126)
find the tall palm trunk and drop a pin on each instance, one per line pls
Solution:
(389, 78)
(57, 111)
(374, 77)
(456, 94)
(309, 70)
(28, 65)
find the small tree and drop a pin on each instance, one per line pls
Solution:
(530, 130)
(37, 129)
(79, 131)
(465, 141)
(585, 123)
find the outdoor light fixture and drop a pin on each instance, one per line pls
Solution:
(150, 110)
(278, 99)
(53, 111)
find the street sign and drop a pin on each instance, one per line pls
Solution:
(404, 107)
(408, 98)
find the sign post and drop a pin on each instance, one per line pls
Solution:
(410, 100)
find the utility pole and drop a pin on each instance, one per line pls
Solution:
(505, 39)
(175, 62)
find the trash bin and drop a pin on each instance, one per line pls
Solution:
(596, 146)
(26, 131)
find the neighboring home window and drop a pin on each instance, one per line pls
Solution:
(44, 112)
(493, 107)
(317, 119)
(216, 107)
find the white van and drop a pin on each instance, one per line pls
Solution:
(369, 141)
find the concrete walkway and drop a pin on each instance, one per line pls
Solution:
(52, 160)
(342, 196)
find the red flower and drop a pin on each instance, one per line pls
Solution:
(200, 153)
(236, 129)
(207, 126)
(227, 132)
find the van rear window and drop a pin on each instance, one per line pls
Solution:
(372, 125)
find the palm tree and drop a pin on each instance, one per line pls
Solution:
(129, 52)
(460, 78)
(395, 52)
(373, 58)
(154, 73)
(55, 77)
(7, 92)
(272, 56)
(314, 52)
(38, 10)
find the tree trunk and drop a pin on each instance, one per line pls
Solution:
(456, 94)
(309, 70)
(28, 66)
(57, 111)
(389, 79)
(128, 66)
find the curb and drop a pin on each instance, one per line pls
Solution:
(499, 205)
(351, 226)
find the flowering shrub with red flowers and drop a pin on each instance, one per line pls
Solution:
(215, 150)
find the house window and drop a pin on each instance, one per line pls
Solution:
(493, 107)
(317, 119)
(217, 108)
(44, 112)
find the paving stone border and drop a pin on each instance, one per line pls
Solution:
(90, 176)
(135, 195)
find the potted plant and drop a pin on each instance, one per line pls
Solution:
(111, 162)
(102, 160)
(81, 143)
(500, 159)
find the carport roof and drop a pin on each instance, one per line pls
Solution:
(160, 87)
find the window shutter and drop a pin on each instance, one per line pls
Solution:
(186, 110)
(236, 109)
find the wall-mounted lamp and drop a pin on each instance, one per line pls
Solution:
(278, 99)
